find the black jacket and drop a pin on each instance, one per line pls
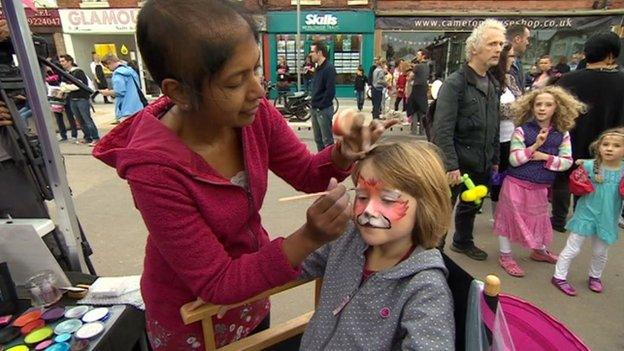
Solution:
(78, 94)
(324, 86)
(466, 123)
(603, 92)
(360, 82)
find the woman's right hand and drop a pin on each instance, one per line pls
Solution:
(328, 216)
(326, 220)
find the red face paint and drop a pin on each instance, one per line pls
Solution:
(378, 207)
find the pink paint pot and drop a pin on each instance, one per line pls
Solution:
(43, 345)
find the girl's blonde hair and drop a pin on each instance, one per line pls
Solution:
(594, 148)
(568, 107)
(416, 169)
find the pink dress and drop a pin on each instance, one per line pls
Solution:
(522, 212)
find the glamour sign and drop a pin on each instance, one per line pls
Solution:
(99, 20)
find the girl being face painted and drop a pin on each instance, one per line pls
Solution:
(382, 213)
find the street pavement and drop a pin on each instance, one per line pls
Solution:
(117, 234)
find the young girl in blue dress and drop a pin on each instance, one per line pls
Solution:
(596, 213)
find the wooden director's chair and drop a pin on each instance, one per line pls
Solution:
(459, 283)
(258, 341)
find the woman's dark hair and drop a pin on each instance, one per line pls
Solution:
(190, 40)
(499, 71)
(600, 45)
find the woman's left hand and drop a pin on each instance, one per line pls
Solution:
(359, 137)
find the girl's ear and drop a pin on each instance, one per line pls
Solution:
(176, 92)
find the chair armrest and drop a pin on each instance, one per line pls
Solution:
(208, 310)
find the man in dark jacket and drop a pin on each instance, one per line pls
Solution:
(323, 94)
(518, 36)
(601, 86)
(466, 127)
(79, 101)
(418, 98)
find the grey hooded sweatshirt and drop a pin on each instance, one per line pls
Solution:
(406, 307)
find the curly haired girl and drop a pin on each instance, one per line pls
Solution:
(540, 147)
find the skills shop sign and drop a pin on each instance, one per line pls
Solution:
(100, 21)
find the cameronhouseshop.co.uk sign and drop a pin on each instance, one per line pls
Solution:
(99, 20)
(469, 22)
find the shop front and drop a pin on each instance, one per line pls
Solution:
(45, 23)
(444, 37)
(349, 36)
(104, 31)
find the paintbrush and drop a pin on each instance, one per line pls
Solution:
(306, 196)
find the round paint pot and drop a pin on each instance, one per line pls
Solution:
(63, 337)
(8, 334)
(27, 318)
(80, 345)
(76, 312)
(90, 330)
(38, 335)
(60, 346)
(43, 345)
(69, 326)
(53, 314)
(4, 320)
(95, 315)
(36, 324)
(18, 348)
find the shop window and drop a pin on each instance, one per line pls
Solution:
(286, 49)
(344, 53)
(347, 49)
(94, 3)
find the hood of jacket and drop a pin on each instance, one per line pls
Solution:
(143, 139)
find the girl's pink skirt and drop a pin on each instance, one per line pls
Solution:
(522, 213)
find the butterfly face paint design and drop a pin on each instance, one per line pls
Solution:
(376, 206)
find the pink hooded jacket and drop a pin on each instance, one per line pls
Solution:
(205, 234)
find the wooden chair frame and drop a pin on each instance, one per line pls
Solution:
(257, 341)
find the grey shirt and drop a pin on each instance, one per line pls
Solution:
(483, 83)
(406, 307)
(379, 78)
(422, 72)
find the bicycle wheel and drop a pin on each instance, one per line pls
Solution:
(304, 113)
(280, 104)
(336, 105)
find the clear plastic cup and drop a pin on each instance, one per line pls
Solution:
(43, 289)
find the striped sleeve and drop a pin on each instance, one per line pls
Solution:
(563, 160)
(519, 154)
